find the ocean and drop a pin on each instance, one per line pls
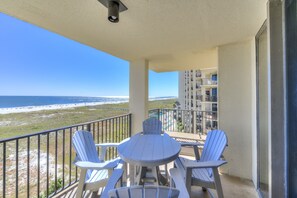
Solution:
(24, 101)
(15, 104)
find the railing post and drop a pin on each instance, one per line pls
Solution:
(17, 169)
(130, 124)
(194, 113)
(193, 122)
(158, 113)
(28, 166)
(4, 170)
(89, 127)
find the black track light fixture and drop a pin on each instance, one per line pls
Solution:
(114, 8)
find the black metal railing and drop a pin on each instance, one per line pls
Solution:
(188, 121)
(41, 164)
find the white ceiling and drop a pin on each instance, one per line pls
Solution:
(169, 33)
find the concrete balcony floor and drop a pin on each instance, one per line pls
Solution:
(233, 187)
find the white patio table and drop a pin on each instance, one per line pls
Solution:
(149, 151)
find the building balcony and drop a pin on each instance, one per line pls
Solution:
(209, 82)
(210, 98)
(227, 35)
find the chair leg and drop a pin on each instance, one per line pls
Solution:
(125, 175)
(166, 171)
(81, 183)
(171, 183)
(188, 179)
(132, 174)
(155, 172)
(162, 180)
(217, 181)
(137, 175)
(196, 151)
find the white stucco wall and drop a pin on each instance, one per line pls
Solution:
(237, 105)
(138, 93)
(254, 111)
(181, 89)
(263, 108)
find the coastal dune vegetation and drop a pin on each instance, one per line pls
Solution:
(16, 124)
(55, 159)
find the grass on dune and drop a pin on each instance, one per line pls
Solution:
(16, 124)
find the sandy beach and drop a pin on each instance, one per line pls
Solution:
(64, 106)
(52, 107)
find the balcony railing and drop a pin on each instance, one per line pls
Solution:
(187, 121)
(40, 164)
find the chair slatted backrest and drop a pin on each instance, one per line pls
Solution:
(152, 126)
(144, 192)
(84, 147)
(215, 144)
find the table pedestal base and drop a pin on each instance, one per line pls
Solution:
(149, 175)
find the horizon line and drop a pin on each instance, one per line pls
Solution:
(81, 96)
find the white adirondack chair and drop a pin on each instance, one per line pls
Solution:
(144, 192)
(95, 173)
(204, 172)
(176, 180)
(152, 126)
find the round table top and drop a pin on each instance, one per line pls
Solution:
(149, 150)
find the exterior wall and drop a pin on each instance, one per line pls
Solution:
(237, 109)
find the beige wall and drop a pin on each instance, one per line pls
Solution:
(237, 105)
(138, 93)
(254, 111)
(263, 108)
(181, 89)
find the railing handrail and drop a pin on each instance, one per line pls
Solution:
(186, 120)
(58, 129)
(172, 109)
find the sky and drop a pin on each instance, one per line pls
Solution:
(36, 62)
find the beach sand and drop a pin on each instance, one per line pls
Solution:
(52, 107)
(63, 106)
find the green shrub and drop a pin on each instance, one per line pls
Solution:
(52, 187)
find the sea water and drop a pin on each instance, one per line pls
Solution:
(16, 104)
(24, 101)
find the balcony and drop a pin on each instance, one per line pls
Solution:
(223, 35)
(41, 164)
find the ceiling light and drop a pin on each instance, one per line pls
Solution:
(114, 8)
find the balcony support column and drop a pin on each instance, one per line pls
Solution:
(138, 100)
(277, 144)
(236, 106)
